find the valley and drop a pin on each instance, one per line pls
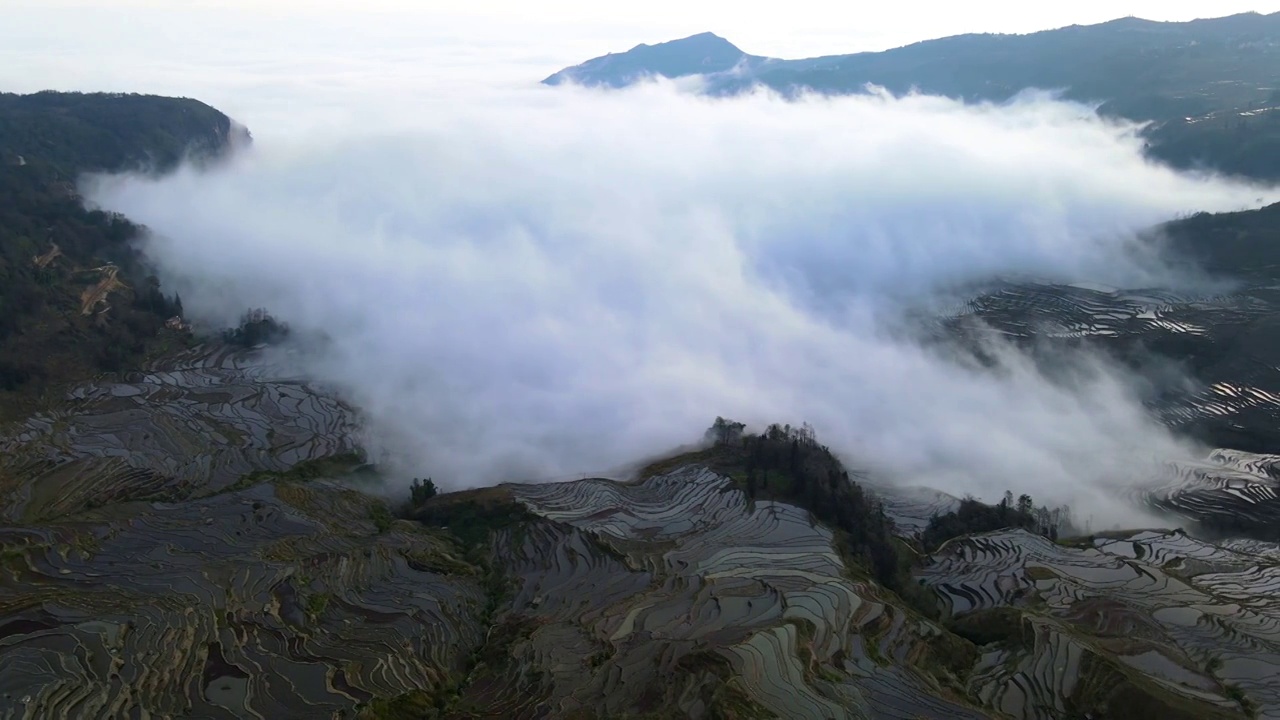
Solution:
(194, 522)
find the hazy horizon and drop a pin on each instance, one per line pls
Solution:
(803, 28)
(153, 46)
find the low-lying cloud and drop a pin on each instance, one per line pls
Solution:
(564, 281)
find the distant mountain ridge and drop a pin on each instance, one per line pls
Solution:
(1209, 86)
(919, 65)
(704, 53)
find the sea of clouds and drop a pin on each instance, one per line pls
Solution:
(549, 282)
(521, 282)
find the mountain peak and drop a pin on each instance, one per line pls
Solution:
(698, 54)
(703, 40)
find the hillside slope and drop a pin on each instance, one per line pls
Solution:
(75, 298)
(697, 591)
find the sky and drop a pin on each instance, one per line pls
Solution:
(804, 28)
(514, 281)
(798, 28)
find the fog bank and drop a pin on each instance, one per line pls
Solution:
(558, 282)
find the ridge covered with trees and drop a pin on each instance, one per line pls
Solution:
(788, 464)
(76, 298)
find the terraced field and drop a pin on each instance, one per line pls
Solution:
(189, 427)
(911, 508)
(1226, 392)
(703, 586)
(288, 599)
(1194, 623)
(1230, 491)
(276, 601)
(165, 555)
(673, 594)
(1228, 343)
(158, 583)
(154, 566)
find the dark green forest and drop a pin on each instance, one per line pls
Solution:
(75, 295)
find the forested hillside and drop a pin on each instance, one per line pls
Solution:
(75, 297)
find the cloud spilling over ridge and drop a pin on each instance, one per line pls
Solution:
(566, 281)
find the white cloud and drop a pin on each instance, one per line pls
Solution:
(552, 282)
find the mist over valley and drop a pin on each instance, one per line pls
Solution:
(385, 381)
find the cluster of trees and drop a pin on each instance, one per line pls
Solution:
(788, 463)
(256, 327)
(725, 432)
(151, 299)
(420, 491)
(974, 516)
